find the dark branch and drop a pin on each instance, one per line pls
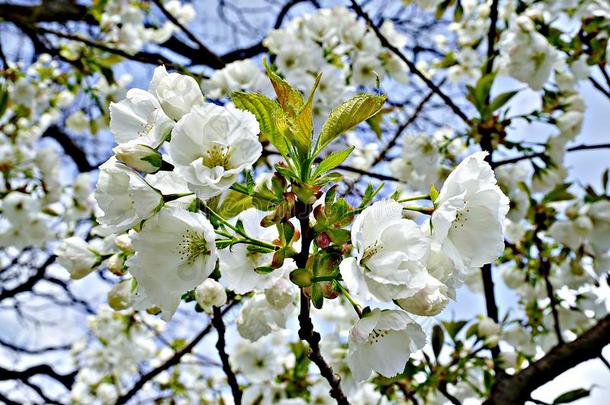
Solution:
(517, 389)
(67, 380)
(30, 282)
(25, 350)
(219, 325)
(172, 361)
(540, 154)
(203, 51)
(78, 156)
(60, 11)
(306, 329)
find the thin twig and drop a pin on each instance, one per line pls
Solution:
(172, 361)
(385, 43)
(540, 154)
(599, 87)
(214, 60)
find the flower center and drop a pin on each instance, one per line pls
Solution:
(460, 219)
(370, 251)
(377, 335)
(146, 128)
(218, 155)
(192, 246)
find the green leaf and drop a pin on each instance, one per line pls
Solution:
(501, 99)
(559, 193)
(454, 327)
(483, 87)
(433, 193)
(289, 98)
(369, 194)
(304, 118)
(301, 277)
(3, 99)
(317, 295)
(298, 112)
(458, 13)
(571, 396)
(347, 115)
(472, 330)
(264, 270)
(154, 159)
(331, 161)
(233, 203)
(375, 122)
(332, 177)
(438, 338)
(271, 118)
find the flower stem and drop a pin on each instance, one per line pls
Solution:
(351, 300)
(423, 210)
(247, 239)
(415, 197)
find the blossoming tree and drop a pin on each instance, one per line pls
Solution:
(288, 201)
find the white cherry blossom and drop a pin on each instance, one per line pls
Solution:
(175, 252)
(212, 145)
(383, 341)
(469, 214)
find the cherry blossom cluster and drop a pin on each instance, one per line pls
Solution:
(170, 190)
(128, 25)
(331, 41)
(37, 206)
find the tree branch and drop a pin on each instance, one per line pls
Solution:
(517, 389)
(60, 11)
(306, 329)
(30, 282)
(224, 358)
(172, 361)
(540, 154)
(67, 380)
(203, 51)
(410, 65)
(78, 156)
(25, 350)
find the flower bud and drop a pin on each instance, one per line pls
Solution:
(140, 157)
(75, 256)
(210, 294)
(107, 393)
(323, 240)
(121, 295)
(508, 359)
(301, 277)
(428, 301)
(123, 242)
(116, 264)
(280, 294)
(488, 328)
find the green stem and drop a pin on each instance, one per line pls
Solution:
(236, 187)
(423, 210)
(247, 239)
(415, 197)
(351, 300)
(324, 278)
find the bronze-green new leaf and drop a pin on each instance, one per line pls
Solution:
(271, 118)
(304, 119)
(347, 115)
(296, 109)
